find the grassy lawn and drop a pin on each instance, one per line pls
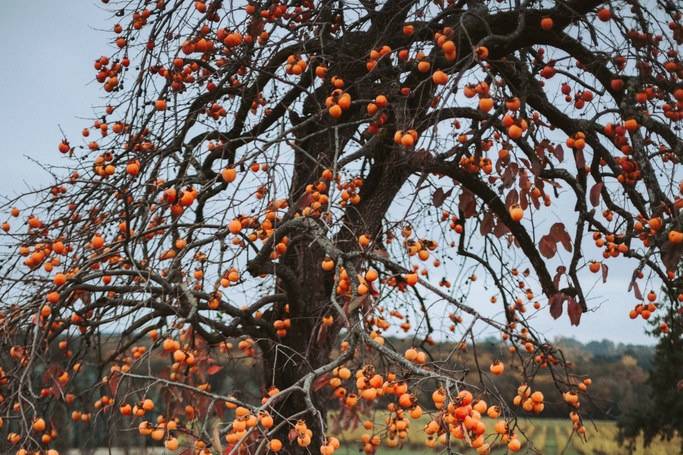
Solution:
(548, 436)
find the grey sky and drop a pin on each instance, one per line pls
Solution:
(46, 80)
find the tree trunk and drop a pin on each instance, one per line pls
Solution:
(305, 347)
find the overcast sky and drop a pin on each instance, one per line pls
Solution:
(46, 81)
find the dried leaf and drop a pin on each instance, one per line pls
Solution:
(605, 270)
(579, 158)
(671, 255)
(510, 174)
(500, 230)
(556, 304)
(440, 196)
(512, 198)
(321, 381)
(574, 311)
(524, 199)
(536, 168)
(547, 246)
(486, 226)
(558, 275)
(467, 204)
(381, 252)
(594, 195)
(558, 151)
(113, 382)
(536, 201)
(636, 291)
(559, 233)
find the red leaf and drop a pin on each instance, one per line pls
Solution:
(213, 369)
(574, 311)
(321, 381)
(561, 270)
(305, 200)
(558, 151)
(636, 290)
(292, 434)
(556, 305)
(595, 194)
(219, 408)
(113, 382)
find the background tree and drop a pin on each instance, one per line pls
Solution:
(288, 181)
(664, 385)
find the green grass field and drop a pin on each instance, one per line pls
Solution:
(547, 436)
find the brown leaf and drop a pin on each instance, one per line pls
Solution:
(524, 199)
(558, 151)
(305, 200)
(605, 270)
(512, 198)
(547, 246)
(467, 204)
(561, 270)
(671, 254)
(510, 174)
(636, 290)
(381, 252)
(536, 201)
(440, 196)
(113, 382)
(486, 226)
(579, 158)
(536, 167)
(559, 233)
(500, 230)
(574, 311)
(595, 194)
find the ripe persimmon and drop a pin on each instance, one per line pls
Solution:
(275, 445)
(547, 23)
(335, 111)
(516, 213)
(171, 444)
(229, 174)
(604, 14)
(497, 368)
(39, 425)
(439, 77)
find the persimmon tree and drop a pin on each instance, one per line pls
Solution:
(290, 182)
